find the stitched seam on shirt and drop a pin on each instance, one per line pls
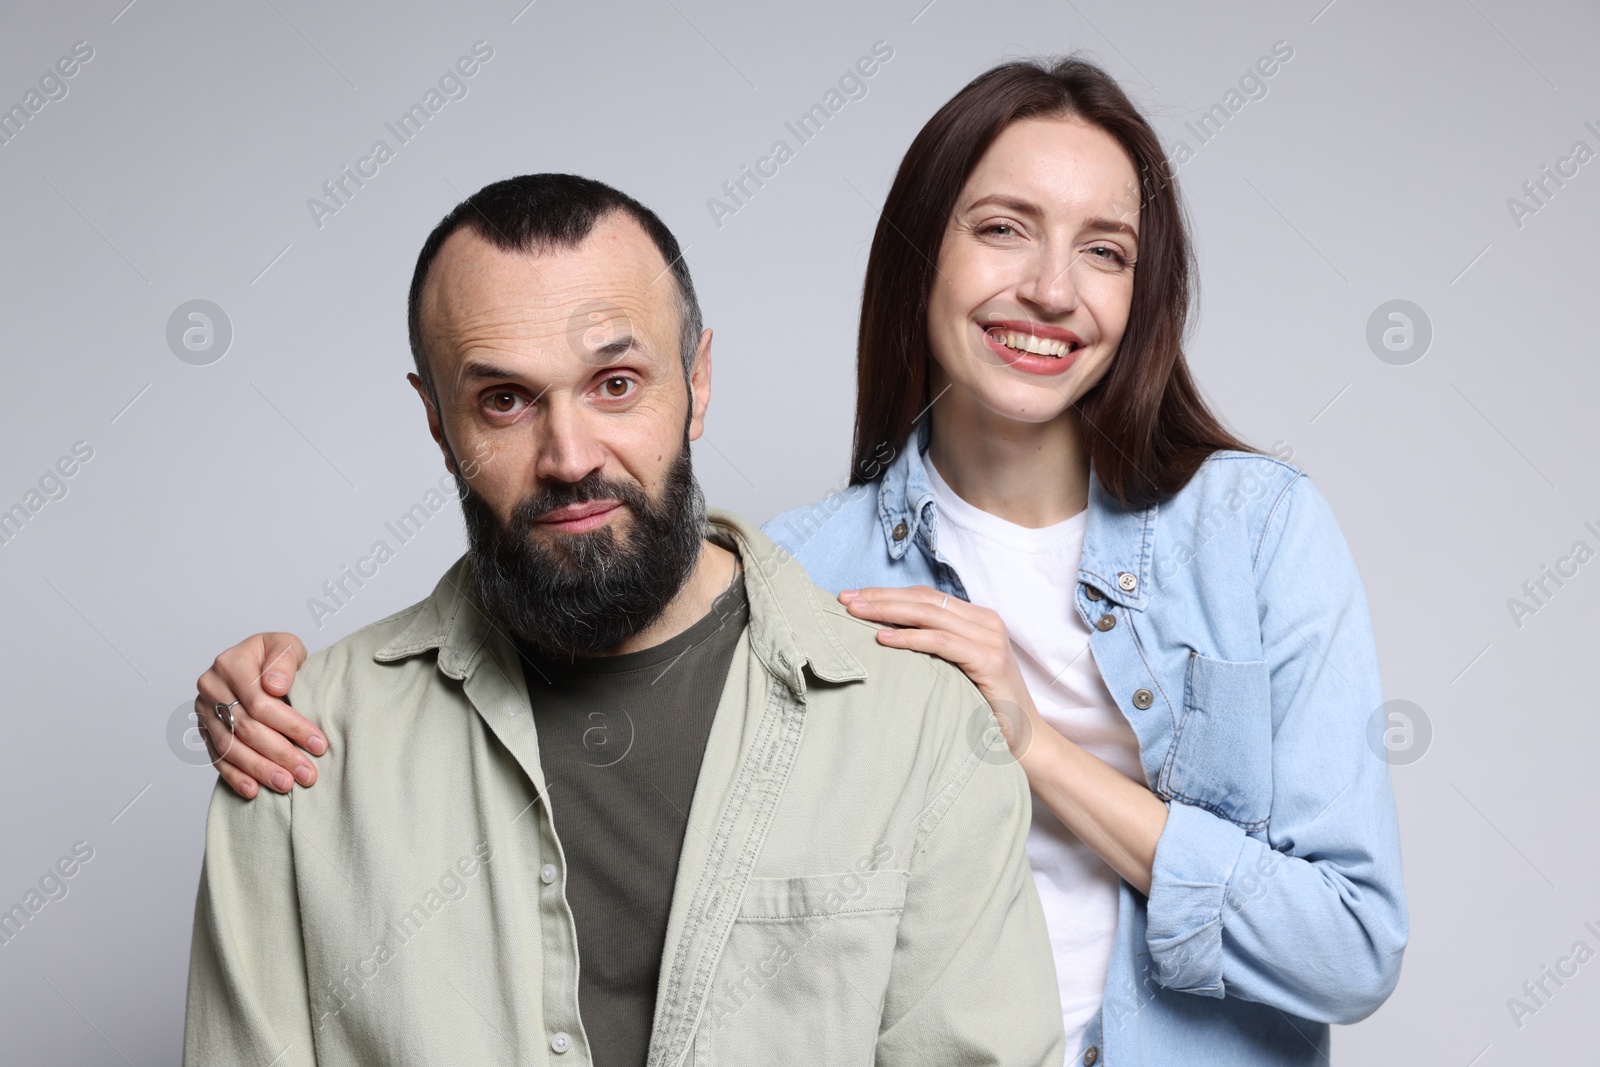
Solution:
(820, 916)
(787, 729)
(1178, 727)
(933, 814)
(1206, 805)
(411, 647)
(1172, 758)
(707, 886)
(766, 801)
(1155, 679)
(825, 625)
(1283, 496)
(1147, 539)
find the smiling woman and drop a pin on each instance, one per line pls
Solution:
(1020, 355)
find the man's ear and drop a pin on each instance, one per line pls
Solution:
(435, 427)
(700, 386)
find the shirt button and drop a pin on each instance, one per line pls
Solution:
(1090, 1056)
(1127, 583)
(899, 531)
(1092, 593)
(1105, 622)
(547, 873)
(1143, 698)
(561, 1042)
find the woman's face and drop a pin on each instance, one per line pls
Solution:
(1035, 273)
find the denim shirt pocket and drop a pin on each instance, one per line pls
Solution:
(802, 959)
(1221, 753)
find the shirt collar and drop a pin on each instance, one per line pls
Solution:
(905, 496)
(1118, 545)
(1118, 542)
(788, 631)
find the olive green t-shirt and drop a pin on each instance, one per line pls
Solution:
(621, 740)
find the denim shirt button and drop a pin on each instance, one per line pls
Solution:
(1092, 593)
(1143, 698)
(900, 531)
(1127, 583)
(1090, 1056)
(1105, 622)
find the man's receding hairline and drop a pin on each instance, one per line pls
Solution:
(541, 248)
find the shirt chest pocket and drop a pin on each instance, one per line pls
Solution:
(1221, 754)
(802, 976)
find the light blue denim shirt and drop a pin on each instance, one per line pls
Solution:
(1231, 627)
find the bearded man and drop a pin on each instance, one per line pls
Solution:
(778, 841)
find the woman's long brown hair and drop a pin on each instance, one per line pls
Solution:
(1146, 427)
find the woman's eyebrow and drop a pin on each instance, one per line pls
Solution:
(1111, 226)
(1010, 203)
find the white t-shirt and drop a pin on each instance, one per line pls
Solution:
(1030, 576)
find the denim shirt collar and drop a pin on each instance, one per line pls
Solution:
(1118, 542)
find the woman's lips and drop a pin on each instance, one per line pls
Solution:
(578, 518)
(1029, 362)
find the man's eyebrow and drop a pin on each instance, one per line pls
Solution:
(477, 370)
(1026, 207)
(619, 346)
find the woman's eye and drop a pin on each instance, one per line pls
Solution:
(1108, 254)
(616, 388)
(999, 229)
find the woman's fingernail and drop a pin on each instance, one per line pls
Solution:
(277, 679)
(316, 744)
(281, 781)
(849, 593)
(302, 774)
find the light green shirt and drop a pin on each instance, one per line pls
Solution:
(852, 886)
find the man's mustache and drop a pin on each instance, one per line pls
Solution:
(532, 508)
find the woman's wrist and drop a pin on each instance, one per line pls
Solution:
(1042, 751)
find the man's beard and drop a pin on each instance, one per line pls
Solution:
(588, 592)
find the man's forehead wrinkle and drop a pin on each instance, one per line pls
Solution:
(479, 297)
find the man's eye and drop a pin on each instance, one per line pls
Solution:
(616, 387)
(504, 402)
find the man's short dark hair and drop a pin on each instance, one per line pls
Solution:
(535, 213)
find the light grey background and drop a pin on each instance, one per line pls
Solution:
(219, 498)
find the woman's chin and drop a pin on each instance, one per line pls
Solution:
(1025, 404)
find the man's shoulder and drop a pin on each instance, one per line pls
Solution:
(900, 686)
(353, 661)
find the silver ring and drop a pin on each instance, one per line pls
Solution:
(225, 713)
(945, 601)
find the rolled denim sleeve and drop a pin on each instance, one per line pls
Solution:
(973, 980)
(248, 1001)
(1309, 914)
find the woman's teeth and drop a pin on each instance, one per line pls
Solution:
(1039, 346)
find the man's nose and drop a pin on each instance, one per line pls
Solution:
(568, 448)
